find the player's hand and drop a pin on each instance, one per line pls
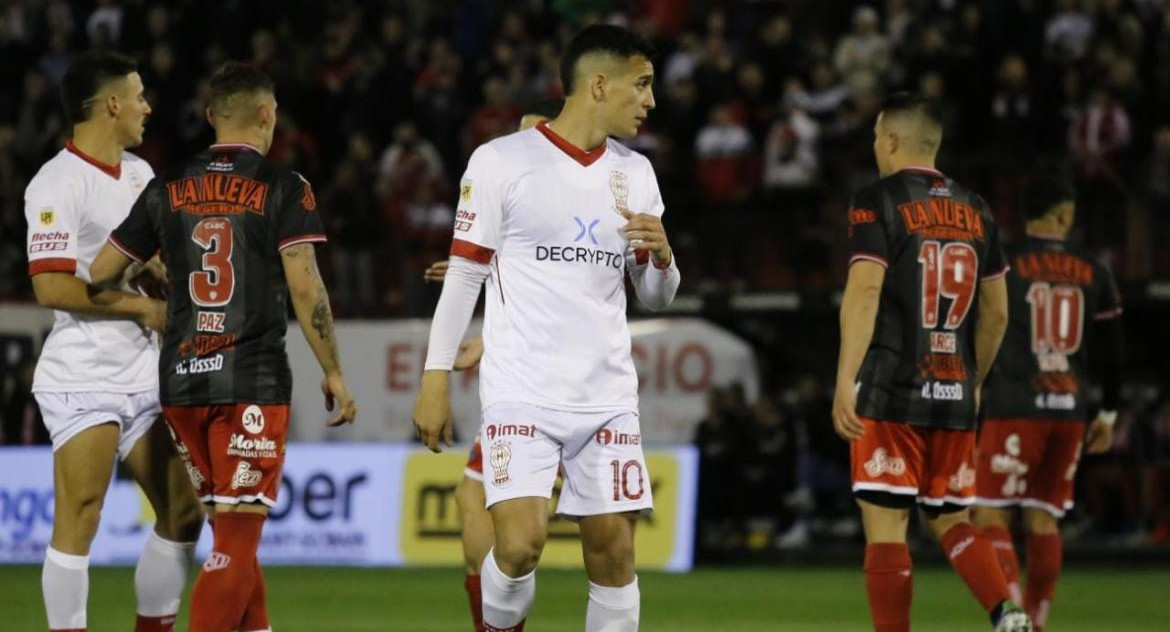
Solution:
(151, 279)
(436, 272)
(845, 420)
(646, 231)
(1099, 438)
(333, 386)
(432, 411)
(470, 352)
(153, 315)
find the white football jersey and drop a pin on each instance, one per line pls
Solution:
(72, 205)
(544, 216)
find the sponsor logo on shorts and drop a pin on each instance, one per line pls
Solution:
(253, 419)
(259, 448)
(510, 430)
(500, 456)
(197, 479)
(194, 366)
(605, 436)
(963, 479)
(245, 476)
(216, 561)
(880, 463)
(1009, 464)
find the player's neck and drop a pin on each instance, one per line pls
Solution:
(912, 163)
(1045, 230)
(234, 137)
(579, 128)
(98, 142)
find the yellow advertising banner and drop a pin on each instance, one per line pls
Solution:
(430, 528)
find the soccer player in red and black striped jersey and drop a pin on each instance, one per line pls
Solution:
(1035, 401)
(924, 311)
(237, 236)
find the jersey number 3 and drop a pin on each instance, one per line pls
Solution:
(213, 285)
(948, 271)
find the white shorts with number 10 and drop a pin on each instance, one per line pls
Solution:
(604, 468)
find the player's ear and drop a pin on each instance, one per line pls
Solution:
(894, 142)
(210, 116)
(597, 85)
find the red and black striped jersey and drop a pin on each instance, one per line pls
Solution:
(1055, 293)
(938, 241)
(220, 223)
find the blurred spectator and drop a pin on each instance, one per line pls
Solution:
(1068, 32)
(863, 53)
(496, 117)
(409, 162)
(790, 154)
(721, 152)
(355, 232)
(823, 97)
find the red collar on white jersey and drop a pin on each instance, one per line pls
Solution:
(586, 158)
(114, 171)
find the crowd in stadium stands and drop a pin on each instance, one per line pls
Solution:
(763, 126)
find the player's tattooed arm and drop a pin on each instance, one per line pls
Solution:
(311, 304)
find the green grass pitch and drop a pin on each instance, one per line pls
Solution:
(707, 600)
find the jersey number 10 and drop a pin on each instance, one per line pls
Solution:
(213, 285)
(1058, 318)
(947, 271)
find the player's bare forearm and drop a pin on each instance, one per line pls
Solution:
(63, 291)
(991, 325)
(109, 267)
(311, 304)
(859, 307)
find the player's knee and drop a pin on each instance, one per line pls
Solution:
(79, 516)
(518, 555)
(184, 522)
(1041, 522)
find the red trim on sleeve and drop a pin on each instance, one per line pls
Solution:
(57, 264)
(122, 248)
(863, 256)
(997, 275)
(302, 239)
(641, 256)
(468, 250)
(1108, 314)
(114, 171)
(586, 158)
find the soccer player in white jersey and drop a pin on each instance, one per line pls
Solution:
(97, 378)
(554, 218)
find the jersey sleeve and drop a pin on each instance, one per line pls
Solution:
(136, 237)
(480, 212)
(298, 221)
(654, 206)
(1108, 296)
(51, 209)
(868, 238)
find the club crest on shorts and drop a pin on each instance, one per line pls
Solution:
(619, 185)
(880, 463)
(500, 456)
(962, 479)
(253, 419)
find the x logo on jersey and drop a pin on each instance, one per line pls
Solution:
(585, 229)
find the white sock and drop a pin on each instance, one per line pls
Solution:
(65, 583)
(506, 600)
(161, 575)
(613, 609)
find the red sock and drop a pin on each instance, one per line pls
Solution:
(890, 586)
(224, 587)
(154, 624)
(256, 612)
(973, 558)
(475, 597)
(1005, 552)
(1044, 562)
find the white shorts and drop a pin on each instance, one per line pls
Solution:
(67, 414)
(604, 468)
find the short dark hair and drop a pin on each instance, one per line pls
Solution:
(1045, 192)
(601, 38)
(548, 108)
(913, 103)
(84, 78)
(233, 78)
